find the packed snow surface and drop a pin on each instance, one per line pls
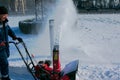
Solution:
(94, 40)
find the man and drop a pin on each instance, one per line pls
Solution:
(5, 30)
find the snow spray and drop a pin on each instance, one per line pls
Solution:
(65, 17)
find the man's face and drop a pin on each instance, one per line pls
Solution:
(3, 17)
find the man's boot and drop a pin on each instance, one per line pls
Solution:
(5, 78)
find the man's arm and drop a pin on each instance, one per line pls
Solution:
(11, 33)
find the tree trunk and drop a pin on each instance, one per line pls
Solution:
(20, 5)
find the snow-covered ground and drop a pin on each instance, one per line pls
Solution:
(93, 39)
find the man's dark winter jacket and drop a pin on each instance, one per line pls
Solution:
(5, 30)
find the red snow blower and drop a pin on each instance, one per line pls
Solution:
(43, 70)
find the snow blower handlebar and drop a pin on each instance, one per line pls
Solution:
(31, 70)
(23, 44)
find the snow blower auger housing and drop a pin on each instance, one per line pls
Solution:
(43, 70)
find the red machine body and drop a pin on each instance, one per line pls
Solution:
(45, 72)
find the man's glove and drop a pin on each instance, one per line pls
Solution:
(19, 39)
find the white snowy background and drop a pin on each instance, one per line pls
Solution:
(91, 38)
